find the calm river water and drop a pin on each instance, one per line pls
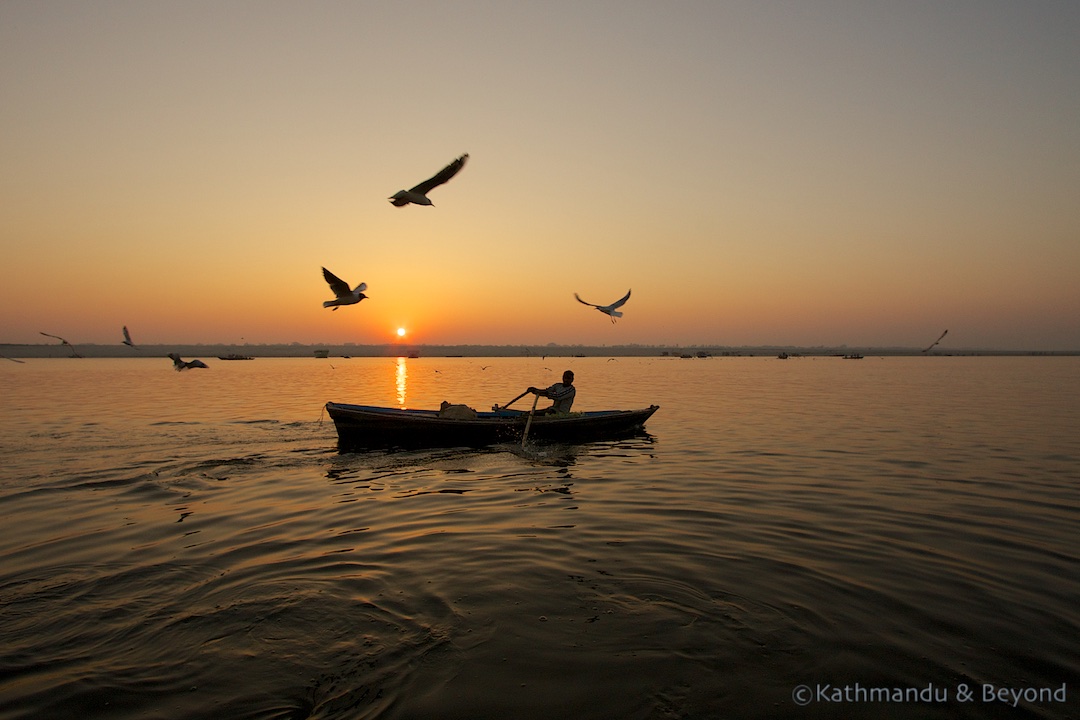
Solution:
(801, 538)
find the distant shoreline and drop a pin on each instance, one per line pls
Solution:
(43, 350)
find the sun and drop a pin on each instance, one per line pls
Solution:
(401, 332)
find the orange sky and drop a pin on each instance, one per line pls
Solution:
(828, 174)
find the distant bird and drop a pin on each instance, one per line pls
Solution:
(64, 342)
(179, 364)
(418, 193)
(936, 341)
(345, 296)
(127, 338)
(612, 309)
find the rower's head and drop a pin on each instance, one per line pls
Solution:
(568, 377)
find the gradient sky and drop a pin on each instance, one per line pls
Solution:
(813, 173)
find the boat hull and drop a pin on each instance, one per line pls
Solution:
(362, 426)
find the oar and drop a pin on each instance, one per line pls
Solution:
(528, 423)
(497, 408)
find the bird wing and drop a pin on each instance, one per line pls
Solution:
(361, 288)
(440, 177)
(127, 336)
(339, 286)
(578, 297)
(931, 345)
(55, 336)
(620, 302)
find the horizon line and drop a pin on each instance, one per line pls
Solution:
(290, 349)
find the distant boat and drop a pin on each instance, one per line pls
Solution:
(322, 353)
(853, 356)
(234, 356)
(413, 355)
(782, 356)
(364, 426)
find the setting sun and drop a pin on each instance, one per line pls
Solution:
(401, 332)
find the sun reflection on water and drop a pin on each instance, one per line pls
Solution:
(402, 380)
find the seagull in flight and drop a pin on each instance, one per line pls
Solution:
(418, 193)
(179, 364)
(345, 296)
(64, 342)
(936, 341)
(612, 309)
(127, 338)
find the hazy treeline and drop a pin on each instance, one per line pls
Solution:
(45, 350)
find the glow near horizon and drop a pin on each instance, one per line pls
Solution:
(826, 174)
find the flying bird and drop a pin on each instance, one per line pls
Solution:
(936, 341)
(612, 309)
(344, 296)
(179, 364)
(127, 338)
(418, 193)
(64, 342)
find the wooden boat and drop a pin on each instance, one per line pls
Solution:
(235, 356)
(365, 426)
